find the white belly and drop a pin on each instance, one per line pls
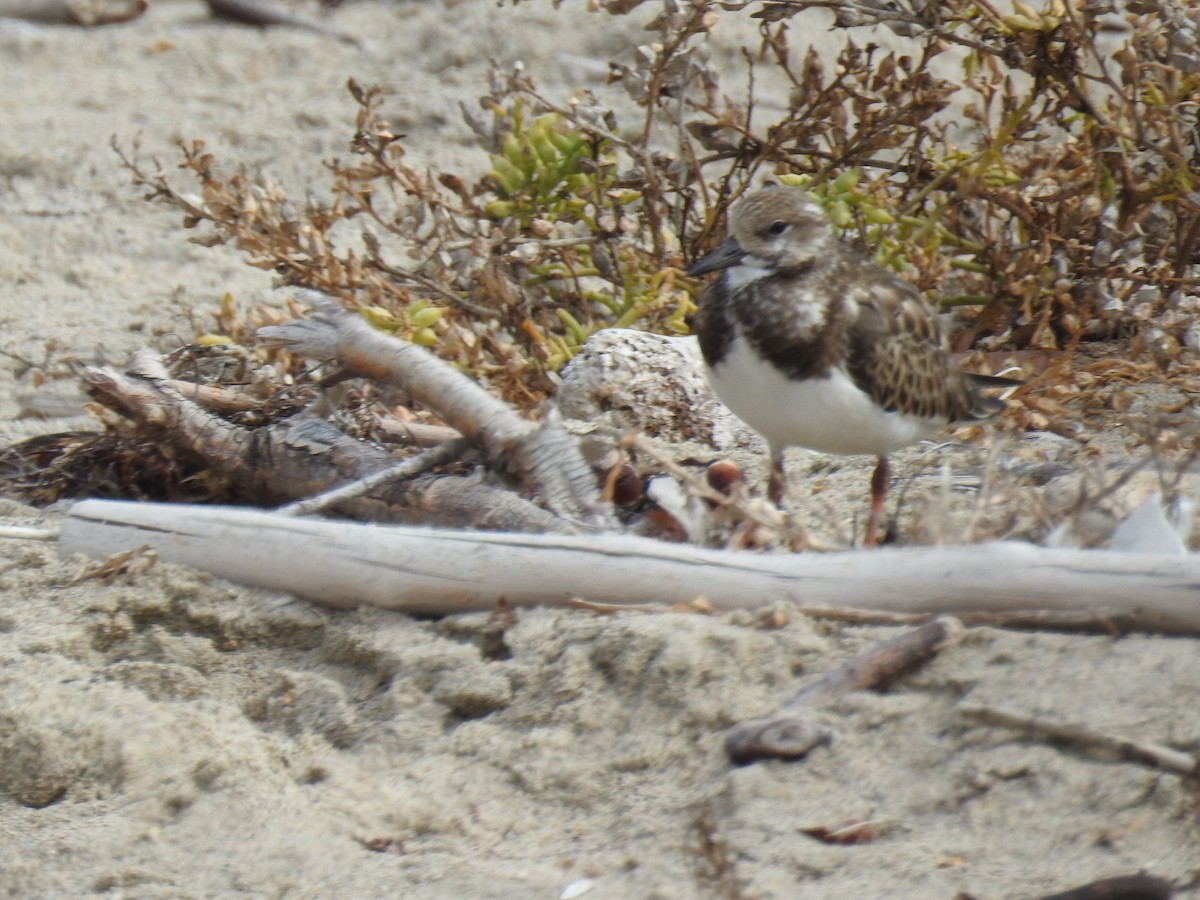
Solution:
(827, 414)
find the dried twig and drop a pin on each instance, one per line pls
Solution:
(1143, 752)
(1037, 619)
(790, 733)
(416, 465)
(697, 486)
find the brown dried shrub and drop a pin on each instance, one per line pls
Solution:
(1052, 189)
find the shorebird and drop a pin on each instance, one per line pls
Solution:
(813, 345)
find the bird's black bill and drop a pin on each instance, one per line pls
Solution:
(728, 254)
(994, 382)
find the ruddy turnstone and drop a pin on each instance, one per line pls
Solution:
(813, 345)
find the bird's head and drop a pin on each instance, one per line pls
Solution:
(776, 229)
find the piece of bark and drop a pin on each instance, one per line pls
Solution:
(790, 733)
(544, 453)
(299, 458)
(435, 571)
(1144, 752)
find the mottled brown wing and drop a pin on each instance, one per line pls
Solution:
(899, 354)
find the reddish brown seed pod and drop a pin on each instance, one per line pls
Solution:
(723, 475)
(625, 486)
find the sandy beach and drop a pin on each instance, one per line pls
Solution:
(171, 735)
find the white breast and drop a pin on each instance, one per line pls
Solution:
(829, 414)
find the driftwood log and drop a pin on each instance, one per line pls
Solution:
(433, 571)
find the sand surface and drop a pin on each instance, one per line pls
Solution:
(172, 735)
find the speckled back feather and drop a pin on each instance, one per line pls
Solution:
(898, 353)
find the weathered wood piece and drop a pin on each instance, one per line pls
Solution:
(299, 458)
(433, 571)
(790, 732)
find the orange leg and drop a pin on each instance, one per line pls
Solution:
(880, 480)
(777, 481)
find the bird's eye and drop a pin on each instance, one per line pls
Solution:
(777, 228)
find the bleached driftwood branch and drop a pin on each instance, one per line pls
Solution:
(431, 571)
(544, 452)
